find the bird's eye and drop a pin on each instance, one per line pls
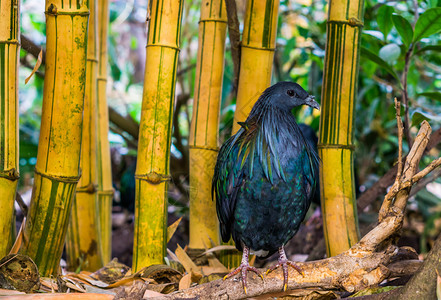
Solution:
(291, 93)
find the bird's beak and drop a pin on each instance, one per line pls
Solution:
(310, 100)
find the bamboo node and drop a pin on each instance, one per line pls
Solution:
(259, 48)
(89, 189)
(53, 11)
(215, 149)
(213, 20)
(65, 179)
(154, 177)
(353, 22)
(335, 146)
(10, 42)
(11, 174)
(164, 46)
(105, 193)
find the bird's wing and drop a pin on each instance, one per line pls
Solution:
(227, 179)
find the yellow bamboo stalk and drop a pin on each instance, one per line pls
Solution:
(257, 55)
(105, 189)
(152, 168)
(57, 169)
(203, 140)
(336, 125)
(83, 244)
(256, 64)
(9, 49)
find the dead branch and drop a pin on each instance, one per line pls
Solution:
(405, 96)
(404, 267)
(424, 182)
(387, 180)
(410, 168)
(400, 139)
(389, 197)
(364, 265)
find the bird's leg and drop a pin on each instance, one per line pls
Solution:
(244, 268)
(284, 262)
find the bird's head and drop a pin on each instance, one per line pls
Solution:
(287, 95)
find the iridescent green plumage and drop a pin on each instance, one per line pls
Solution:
(266, 173)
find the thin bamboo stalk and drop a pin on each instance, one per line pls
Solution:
(257, 55)
(83, 244)
(105, 189)
(204, 226)
(152, 168)
(336, 125)
(57, 170)
(9, 51)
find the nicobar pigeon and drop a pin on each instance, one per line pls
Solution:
(265, 177)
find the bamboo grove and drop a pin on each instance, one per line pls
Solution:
(72, 191)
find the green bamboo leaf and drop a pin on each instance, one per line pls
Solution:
(379, 61)
(404, 29)
(390, 53)
(431, 95)
(384, 19)
(428, 23)
(429, 48)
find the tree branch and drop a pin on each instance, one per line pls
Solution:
(30, 47)
(406, 97)
(234, 34)
(381, 185)
(125, 123)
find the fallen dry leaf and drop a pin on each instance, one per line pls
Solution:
(219, 248)
(172, 229)
(18, 239)
(150, 294)
(185, 282)
(37, 65)
(186, 261)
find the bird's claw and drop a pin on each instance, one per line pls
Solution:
(284, 264)
(243, 269)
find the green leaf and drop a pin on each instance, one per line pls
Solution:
(419, 117)
(384, 19)
(390, 53)
(374, 33)
(433, 3)
(431, 95)
(404, 29)
(429, 48)
(303, 32)
(379, 61)
(373, 291)
(428, 23)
